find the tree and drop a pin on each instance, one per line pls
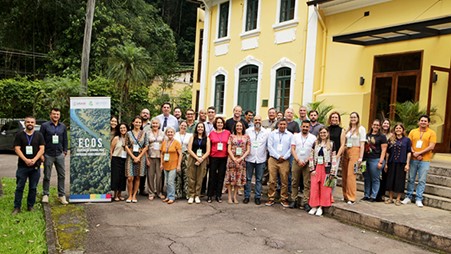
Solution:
(128, 67)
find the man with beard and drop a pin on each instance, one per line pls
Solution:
(145, 116)
(314, 125)
(190, 120)
(279, 143)
(29, 147)
(55, 136)
(256, 160)
(237, 111)
(301, 147)
(178, 114)
(248, 117)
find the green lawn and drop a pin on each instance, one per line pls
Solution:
(25, 232)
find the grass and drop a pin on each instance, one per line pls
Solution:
(25, 232)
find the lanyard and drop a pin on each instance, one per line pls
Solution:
(182, 138)
(29, 139)
(256, 135)
(199, 142)
(303, 142)
(281, 137)
(137, 142)
(169, 145)
(56, 129)
(219, 136)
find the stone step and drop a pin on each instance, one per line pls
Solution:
(439, 180)
(440, 169)
(437, 201)
(425, 226)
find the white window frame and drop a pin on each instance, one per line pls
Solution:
(255, 31)
(219, 71)
(289, 23)
(226, 38)
(283, 62)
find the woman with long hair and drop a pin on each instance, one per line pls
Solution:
(136, 145)
(336, 132)
(398, 160)
(171, 161)
(199, 150)
(218, 159)
(320, 164)
(118, 156)
(375, 160)
(113, 127)
(353, 148)
(182, 179)
(385, 130)
(239, 146)
(154, 178)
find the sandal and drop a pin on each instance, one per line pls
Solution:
(134, 201)
(151, 197)
(161, 196)
(116, 199)
(128, 201)
(170, 201)
(389, 201)
(398, 203)
(166, 200)
(121, 198)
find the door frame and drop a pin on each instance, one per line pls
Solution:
(443, 147)
(394, 75)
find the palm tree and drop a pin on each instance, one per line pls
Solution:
(129, 66)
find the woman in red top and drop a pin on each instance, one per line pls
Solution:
(218, 159)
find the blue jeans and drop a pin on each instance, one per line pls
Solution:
(22, 174)
(421, 168)
(259, 169)
(372, 178)
(169, 178)
(60, 170)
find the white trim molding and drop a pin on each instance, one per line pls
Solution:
(219, 71)
(290, 22)
(283, 62)
(310, 56)
(205, 57)
(257, 28)
(248, 60)
(227, 37)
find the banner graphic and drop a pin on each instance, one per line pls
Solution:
(90, 149)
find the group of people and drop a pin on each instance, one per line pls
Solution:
(297, 154)
(36, 150)
(186, 159)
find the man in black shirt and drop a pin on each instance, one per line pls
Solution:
(292, 126)
(237, 111)
(55, 136)
(29, 146)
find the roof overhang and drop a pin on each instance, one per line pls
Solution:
(409, 31)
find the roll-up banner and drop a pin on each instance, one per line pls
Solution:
(90, 149)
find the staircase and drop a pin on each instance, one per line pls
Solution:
(428, 227)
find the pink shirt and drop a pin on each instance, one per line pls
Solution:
(216, 138)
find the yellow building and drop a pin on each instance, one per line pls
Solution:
(358, 55)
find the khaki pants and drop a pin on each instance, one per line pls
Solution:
(155, 185)
(296, 171)
(283, 169)
(348, 177)
(195, 176)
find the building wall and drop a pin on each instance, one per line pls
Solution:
(345, 63)
(264, 48)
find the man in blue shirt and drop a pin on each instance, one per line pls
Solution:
(55, 136)
(166, 119)
(279, 147)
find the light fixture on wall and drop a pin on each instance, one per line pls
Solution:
(434, 77)
(362, 81)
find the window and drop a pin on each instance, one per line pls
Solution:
(247, 87)
(283, 81)
(287, 8)
(219, 93)
(251, 15)
(223, 25)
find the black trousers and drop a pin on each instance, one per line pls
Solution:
(217, 172)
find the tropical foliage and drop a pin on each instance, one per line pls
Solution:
(322, 108)
(409, 112)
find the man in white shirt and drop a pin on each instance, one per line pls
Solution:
(256, 159)
(279, 147)
(301, 147)
(211, 115)
(166, 119)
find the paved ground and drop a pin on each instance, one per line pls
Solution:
(155, 227)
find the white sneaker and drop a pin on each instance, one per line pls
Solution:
(350, 202)
(406, 201)
(45, 199)
(312, 211)
(197, 200)
(419, 203)
(190, 200)
(63, 200)
(319, 212)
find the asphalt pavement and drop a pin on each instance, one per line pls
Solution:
(155, 227)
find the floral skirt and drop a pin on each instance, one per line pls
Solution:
(235, 173)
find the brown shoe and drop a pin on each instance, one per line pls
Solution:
(15, 211)
(170, 201)
(285, 203)
(269, 203)
(30, 209)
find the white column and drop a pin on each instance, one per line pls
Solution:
(205, 57)
(310, 54)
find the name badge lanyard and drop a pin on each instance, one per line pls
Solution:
(182, 138)
(302, 152)
(55, 138)
(220, 140)
(136, 140)
(29, 148)
(166, 155)
(279, 146)
(239, 150)
(199, 150)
